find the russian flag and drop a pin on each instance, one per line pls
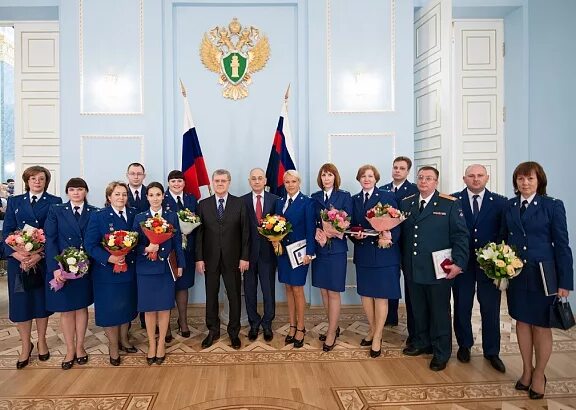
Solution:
(193, 166)
(281, 155)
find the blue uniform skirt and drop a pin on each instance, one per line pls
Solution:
(329, 271)
(114, 303)
(532, 307)
(76, 294)
(186, 281)
(25, 305)
(289, 276)
(380, 282)
(155, 292)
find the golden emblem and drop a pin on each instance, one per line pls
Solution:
(234, 53)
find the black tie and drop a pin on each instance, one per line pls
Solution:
(290, 200)
(156, 215)
(137, 196)
(523, 207)
(366, 197)
(180, 204)
(395, 189)
(34, 200)
(422, 205)
(122, 215)
(325, 199)
(220, 208)
(76, 212)
(475, 208)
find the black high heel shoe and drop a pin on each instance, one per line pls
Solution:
(68, 365)
(535, 395)
(328, 348)
(322, 338)
(151, 360)
(375, 353)
(520, 386)
(160, 360)
(22, 364)
(290, 338)
(42, 357)
(127, 349)
(82, 360)
(365, 343)
(115, 362)
(183, 333)
(299, 343)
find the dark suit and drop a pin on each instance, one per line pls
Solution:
(141, 205)
(262, 266)
(539, 235)
(441, 225)
(483, 229)
(221, 244)
(405, 190)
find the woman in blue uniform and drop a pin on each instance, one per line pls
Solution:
(26, 295)
(329, 267)
(535, 225)
(114, 293)
(377, 269)
(175, 200)
(154, 278)
(65, 227)
(298, 209)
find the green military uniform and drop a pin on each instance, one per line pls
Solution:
(441, 225)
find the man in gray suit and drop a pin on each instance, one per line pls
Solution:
(222, 249)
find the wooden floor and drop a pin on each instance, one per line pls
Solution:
(272, 376)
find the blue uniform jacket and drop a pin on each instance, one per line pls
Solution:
(541, 234)
(63, 230)
(366, 251)
(341, 200)
(406, 189)
(102, 222)
(189, 202)
(141, 205)
(260, 247)
(19, 212)
(144, 266)
(301, 215)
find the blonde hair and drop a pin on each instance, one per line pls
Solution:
(293, 173)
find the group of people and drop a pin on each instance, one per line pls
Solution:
(227, 244)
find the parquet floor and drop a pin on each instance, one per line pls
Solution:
(274, 376)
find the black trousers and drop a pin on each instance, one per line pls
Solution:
(232, 283)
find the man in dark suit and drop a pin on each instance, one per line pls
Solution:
(262, 258)
(435, 222)
(401, 188)
(137, 192)
(483, 213)
(222, 249)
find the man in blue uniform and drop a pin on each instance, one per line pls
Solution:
(483, 213)
(401, 188)
(435, 222)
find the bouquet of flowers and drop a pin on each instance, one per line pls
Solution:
(188, 221)
(499, 262)
(334, 223)
(27, 242)
(157, 230)
(275, 228)
(74, 264)
(384, 218)
(120, 243)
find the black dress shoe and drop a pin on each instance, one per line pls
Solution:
(253, 334)
(235, 342)
(414, 351)
(82, 360)
(183, 333)
(290, 338)
(496, 363)
(168, 338)
(328, 348)
(42, 357)
(298, 343)
(160, 360)
(68, 365)
(391, 323)
(115, 362)
(268, 335)
(520, 386)
(375, 353)
(437, 365)
(22, 364)
(208, 340)
(127, 349)
(151, 360)
(463, 354)
(365, 343)
(535, 395)
(322, 338)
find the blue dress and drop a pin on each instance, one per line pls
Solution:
(155, 282)
(63, 230)
(114, 293)
(329, 267)
(186, 281)
(377, 269)
(539, 235)
(26, 303)
(301, 215)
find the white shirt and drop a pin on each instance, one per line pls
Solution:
(175, 196)
(133, 190)
(397, 187)
(80, 209)
(123, 216)
(225, 197)
(328, 193)
(367, 192)
(288, 200)
(255, 199)
(38, 196)
(479, 200)
(426, 200)
(153, 213)
(529, 199)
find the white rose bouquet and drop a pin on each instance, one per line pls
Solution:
(499, 262)
(74, 264)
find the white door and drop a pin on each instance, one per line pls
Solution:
(479, 99)
(37, 99)
(432, 95)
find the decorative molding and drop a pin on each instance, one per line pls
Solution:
(97, 401)
(361, 134)
(84, 138)
(141, 64)
(392, 78)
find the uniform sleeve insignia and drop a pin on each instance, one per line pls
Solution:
(408, 197)
(446, 196)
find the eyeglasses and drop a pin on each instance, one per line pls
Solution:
(427, 179)
(257, 178)
(136, 174)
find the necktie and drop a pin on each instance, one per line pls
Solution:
(289, 203)
(122, 215)
(76, 212)
(422, 205)
(137, 196)
(156, 215)
(395, 189)
(180, 204)
(325, 198)
(258, 208)
(523, 207)
(34, 200)
(220, 208)
(366, 196)
(475, 207)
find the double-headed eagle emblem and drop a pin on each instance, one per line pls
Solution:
(234, 53)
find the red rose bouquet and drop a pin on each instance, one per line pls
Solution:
(384, 218)
(120, 243)
(27, 242)
(157, 230)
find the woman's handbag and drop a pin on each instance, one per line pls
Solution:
(561, 316)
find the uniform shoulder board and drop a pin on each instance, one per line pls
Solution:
(499, 196)
(446, 196)
(344, 191)
(408, 197)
